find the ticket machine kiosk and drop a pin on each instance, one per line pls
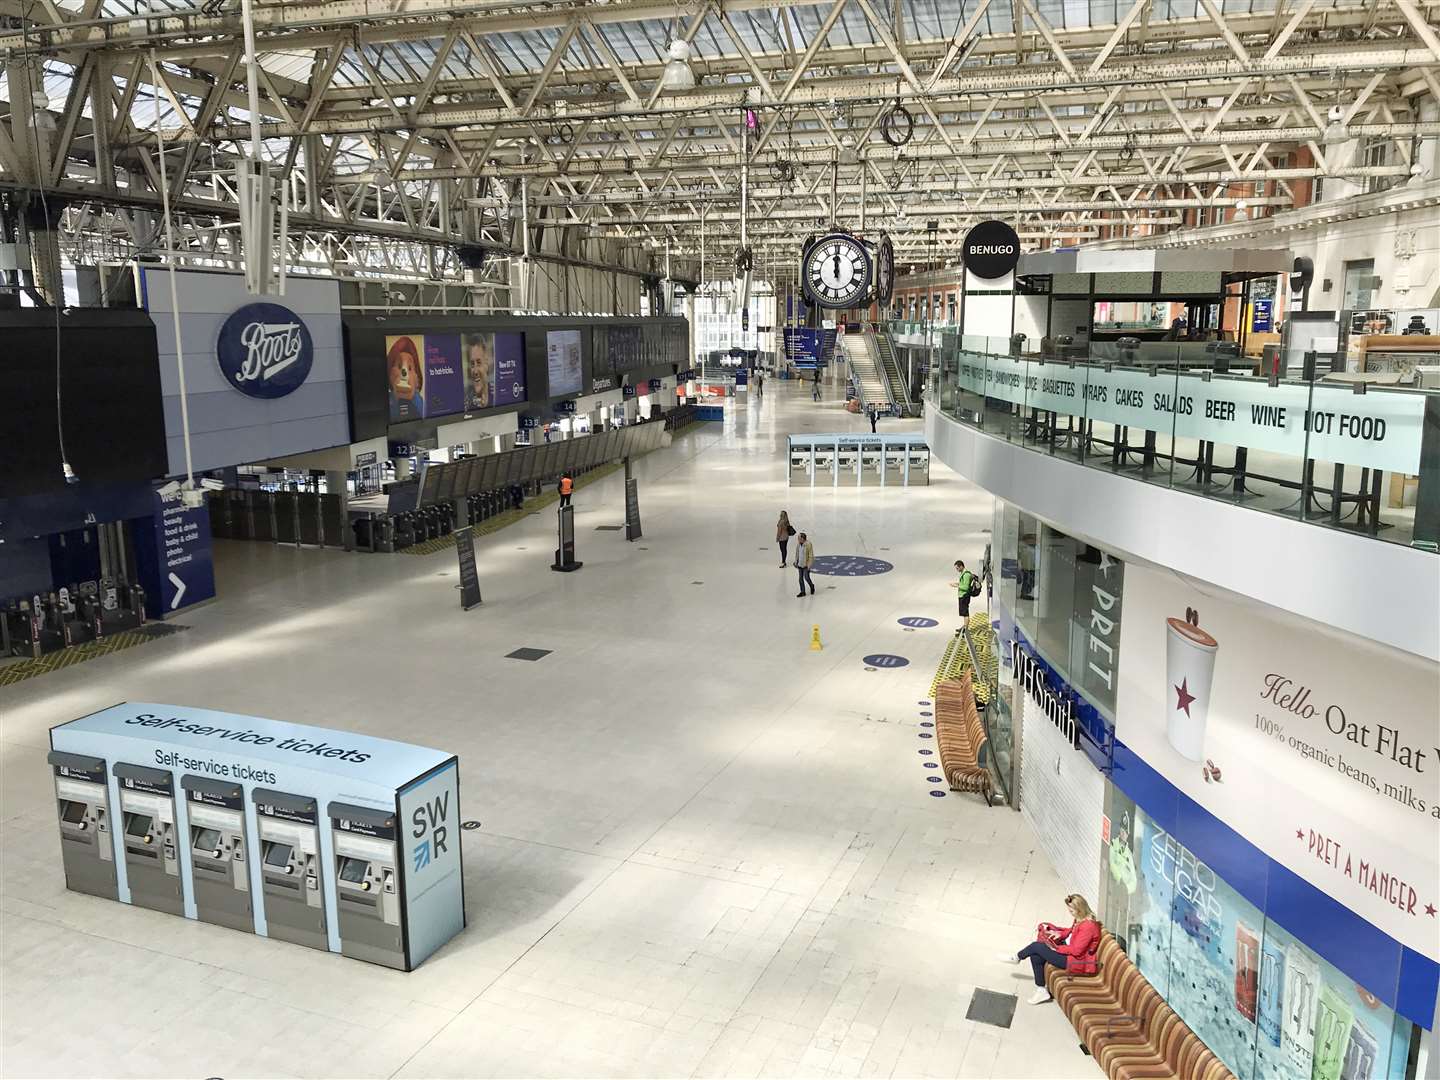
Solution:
(823, 471)
(290, 867)
(847, 464)
(800, 463)
(919, 471)
(83, 801)
(367, 898)
(147, 827)
(894, 474)
(219, 856)
(871, 463)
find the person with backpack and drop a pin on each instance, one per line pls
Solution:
(783, 531)
(967, 586)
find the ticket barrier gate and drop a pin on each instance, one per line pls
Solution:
(894, 466)
(83, 803)
(404, 529)
(219, 863)
(147, 817)
(367, 898)
(871, 466)
(293, 886)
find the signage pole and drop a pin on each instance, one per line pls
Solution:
(469, 578)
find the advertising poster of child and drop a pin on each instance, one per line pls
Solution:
(405, 371)
(444, 381)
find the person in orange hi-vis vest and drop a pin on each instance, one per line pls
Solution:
(566, 488)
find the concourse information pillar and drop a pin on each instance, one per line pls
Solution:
(632, 505)
(565, 550)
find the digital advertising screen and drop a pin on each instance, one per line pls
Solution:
(494, 369)
(432, 375)
(564, 361)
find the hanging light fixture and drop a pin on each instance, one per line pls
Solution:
(678, 74)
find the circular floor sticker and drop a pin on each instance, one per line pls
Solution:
(850, 566)
(937, 794)
(885, 660)
(918, 622)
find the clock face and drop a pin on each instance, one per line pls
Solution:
(837, 271)
(885, 271)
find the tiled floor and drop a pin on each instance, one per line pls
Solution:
(706, 849)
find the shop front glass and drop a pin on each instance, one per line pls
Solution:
(1264, 1002)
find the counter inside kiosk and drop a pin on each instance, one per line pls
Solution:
(290, 867)
(219, 854)
(324, 838)
(147, 817)
(82, 797)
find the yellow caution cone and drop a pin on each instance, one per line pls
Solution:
(815, 645)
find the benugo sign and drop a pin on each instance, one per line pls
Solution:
(1378, 430)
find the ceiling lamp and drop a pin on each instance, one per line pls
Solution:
(678, 74)
(1335, 131)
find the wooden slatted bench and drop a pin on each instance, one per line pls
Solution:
(961, 737)
(1126, 1025)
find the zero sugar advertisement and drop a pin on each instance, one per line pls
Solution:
(1317, 747)
(1264, 1003)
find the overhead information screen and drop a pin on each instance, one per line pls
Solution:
(564, 361)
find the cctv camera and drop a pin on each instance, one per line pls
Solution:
(1336, 114)
(211, 484)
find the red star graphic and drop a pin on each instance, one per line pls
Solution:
(1299, 834)
(1430, 910)
(1183, 690)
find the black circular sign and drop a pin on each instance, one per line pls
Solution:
(991, 250)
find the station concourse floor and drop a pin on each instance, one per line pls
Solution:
(705, 850)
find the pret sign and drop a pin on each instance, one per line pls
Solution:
(991, 250)
(264, 350)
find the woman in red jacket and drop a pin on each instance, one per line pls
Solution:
(1070, 949)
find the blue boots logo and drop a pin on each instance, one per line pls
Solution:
(265, 350)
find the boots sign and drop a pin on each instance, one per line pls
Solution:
(264, 350)
(991, 250)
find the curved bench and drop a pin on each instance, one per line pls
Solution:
(961, 737)
(1126, 1025)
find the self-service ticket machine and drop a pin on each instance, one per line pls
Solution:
(290, 867)
(320, 837)
(801, 456)
(367, 882)
(919, 472)
(147, 828)
(847, 464)
(219, 856)
(83, 801)
(894, 468)
(871, 463)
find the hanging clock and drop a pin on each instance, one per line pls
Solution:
(836, 271)
(884, 270)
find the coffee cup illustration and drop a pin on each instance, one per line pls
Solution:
(1189, 671)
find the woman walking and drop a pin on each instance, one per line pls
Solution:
(783, 531)
(1071, 949)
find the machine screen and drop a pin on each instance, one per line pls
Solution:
(353, 870)
(74, 812)
(278, 854)
(207, 839)
(137, 824)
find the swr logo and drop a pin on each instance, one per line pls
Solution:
(428, 826)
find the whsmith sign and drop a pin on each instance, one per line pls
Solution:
(1379, 430)
(264, 350)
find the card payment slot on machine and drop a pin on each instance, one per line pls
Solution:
(83, 804)
(147, 824)
(367, 890)
(294, 888)
(219, 857)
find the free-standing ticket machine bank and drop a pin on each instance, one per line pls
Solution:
(337, 841)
